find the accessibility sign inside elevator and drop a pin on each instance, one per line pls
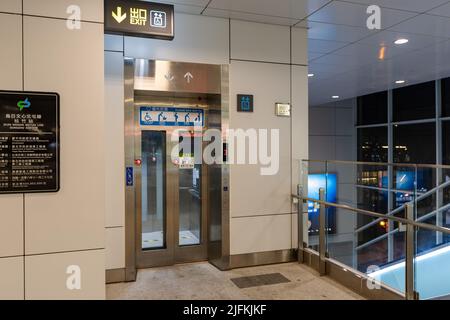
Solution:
(29, 142)
(171, 117)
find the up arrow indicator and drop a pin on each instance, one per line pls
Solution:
(188, 76)
(119, 17)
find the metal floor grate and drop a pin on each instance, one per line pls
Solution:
(260, 280)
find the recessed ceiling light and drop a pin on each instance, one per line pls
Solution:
(335, 97)
(310, 75)
(401, 41)
(400, 81)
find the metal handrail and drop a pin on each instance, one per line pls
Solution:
(381, 164)
(374, 222)
(399, 209)
(411, 225)
(421, 197)
(362, 186)
(373, 241)
(383, 236)
(377, 215)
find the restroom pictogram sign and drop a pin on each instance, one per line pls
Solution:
(139, 18)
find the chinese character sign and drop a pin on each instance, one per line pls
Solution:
(29, 142)
(139, 18)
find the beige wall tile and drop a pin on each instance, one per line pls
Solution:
(46, 275)
(11, 278)
(70, 63)
(91, 10)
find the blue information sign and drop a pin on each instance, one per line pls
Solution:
(245, 103)
(171, 117)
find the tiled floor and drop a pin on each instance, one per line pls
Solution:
(203, 281)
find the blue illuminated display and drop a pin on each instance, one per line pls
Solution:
(170, 117)
(315, 183)
(245, 103)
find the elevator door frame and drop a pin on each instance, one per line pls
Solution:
(173, 253)
(151, 76)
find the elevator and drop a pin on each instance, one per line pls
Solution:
(176, 205)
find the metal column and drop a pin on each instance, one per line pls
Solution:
(439, 160)
(322, 234)
(410, 292)
(390, 173)
(300, 224)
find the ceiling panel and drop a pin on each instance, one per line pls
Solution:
(414, 67)
(200, 3)
(407, 5)
(442, 10)
(367, 53)
(314, 55)
(185, 6)
(344, 55)
(188, 9)
(387, 38)
(324, 46)
(294, 9)
(426, 25)
(432, 55)
(355, 15)
(332, 32)
(249, 17)
(342, 63)
(323, 71)
(327, 68)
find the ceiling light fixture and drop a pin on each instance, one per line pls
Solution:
(310, 75)
(400, 81)
(401, 41)
(335, 97)
(382, 53)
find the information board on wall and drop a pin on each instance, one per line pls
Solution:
(29, 142)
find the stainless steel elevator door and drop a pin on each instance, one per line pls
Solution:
(153, 190)
(171, 204)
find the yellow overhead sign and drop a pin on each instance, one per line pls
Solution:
(139, 18)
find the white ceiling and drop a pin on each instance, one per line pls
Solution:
(343, 53)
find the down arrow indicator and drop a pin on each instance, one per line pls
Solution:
(119, 17)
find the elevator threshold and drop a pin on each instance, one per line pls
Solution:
(151, 240)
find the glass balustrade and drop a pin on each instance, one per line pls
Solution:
(377, 246)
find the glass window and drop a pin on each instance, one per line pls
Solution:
(446, 142)
(415, 143)
(373, 144)
(445, 87)
(153, 190)
(190, 190)
(372, 108)
(375, 201)
(415, 102)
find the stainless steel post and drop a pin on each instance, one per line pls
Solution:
(410, 252)
(300, 224)
(322, 234)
